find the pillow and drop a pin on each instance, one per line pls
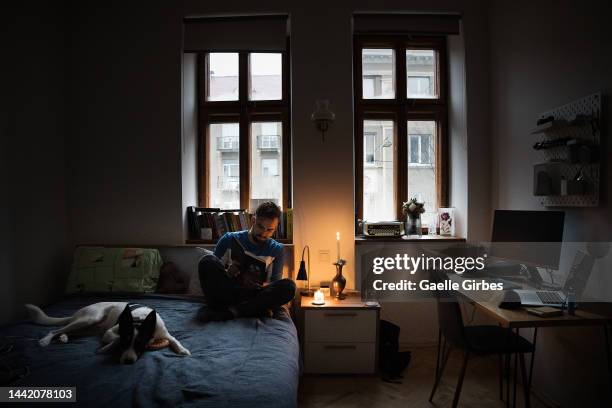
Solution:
(186, 260)
(171, 280)
(100, 269)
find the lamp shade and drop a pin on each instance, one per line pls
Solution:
(302, 275)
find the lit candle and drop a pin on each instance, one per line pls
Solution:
(338, 244)
(319, 297)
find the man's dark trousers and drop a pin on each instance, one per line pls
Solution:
(222, 291)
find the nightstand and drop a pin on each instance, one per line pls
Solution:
(340, 337)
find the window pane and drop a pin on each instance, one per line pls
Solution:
(222, 76)
(266, 163)
(378, 70)
(266, 79)
(224, 165)
(378, 171)
(421, 166)
(421, 66)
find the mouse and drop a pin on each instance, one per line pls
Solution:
(511, 300)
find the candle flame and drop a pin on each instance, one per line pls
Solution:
(338, 236)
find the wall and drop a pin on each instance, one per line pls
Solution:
(125, 146)
(545, 54)
(33, 214)
(189, 127)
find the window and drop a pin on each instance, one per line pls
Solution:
(378, 73)
(244, 128)
(421, 67)
(379, 174)
(224, 175)
(400, 122)
(222, 75)
(266, 76)
(266, 175)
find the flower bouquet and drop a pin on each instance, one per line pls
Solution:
(413, 210)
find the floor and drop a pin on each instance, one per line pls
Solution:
(480, 387)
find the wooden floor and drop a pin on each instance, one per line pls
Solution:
(480, 388)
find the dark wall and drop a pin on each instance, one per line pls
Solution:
(33, 213)
(545, 54)
(537, 65)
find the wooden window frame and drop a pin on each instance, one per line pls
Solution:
(401, 110)
(244, 112)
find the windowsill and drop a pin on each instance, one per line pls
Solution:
(214, 241)
(361, 239)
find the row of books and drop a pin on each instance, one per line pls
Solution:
(211, 223)
(285, 225)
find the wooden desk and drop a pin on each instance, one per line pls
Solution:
(516, 319)
(519, 318)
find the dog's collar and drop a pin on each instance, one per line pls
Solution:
(132, 307)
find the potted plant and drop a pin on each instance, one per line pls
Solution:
(412, 209)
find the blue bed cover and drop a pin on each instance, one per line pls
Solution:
(239, 363)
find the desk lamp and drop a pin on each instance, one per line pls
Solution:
(303, 275)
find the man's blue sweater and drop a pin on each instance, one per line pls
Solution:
(269, 248)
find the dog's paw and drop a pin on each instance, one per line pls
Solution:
(63, 338)
(182, 351)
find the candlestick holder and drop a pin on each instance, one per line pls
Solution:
(339, 281)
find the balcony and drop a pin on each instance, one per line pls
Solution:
(228, 183)
(228, 143)
(268, 142)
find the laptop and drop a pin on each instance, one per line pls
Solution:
(576, 282)
(535, 297)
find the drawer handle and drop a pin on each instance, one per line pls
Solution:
(340, 347)
(331, 314)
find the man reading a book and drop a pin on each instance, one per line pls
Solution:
(244, 276)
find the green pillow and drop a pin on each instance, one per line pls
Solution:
(100, 269)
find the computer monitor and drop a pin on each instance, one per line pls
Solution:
(543, 228)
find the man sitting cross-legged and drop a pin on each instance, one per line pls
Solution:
(230, 293)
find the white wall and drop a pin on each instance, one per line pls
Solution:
(33, 213)
(545, 54)
(189, 137)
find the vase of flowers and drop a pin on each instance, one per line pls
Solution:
(412, 209)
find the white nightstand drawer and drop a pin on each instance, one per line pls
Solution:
(338, 325)
(340, 358)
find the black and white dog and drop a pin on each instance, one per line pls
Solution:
(127, 326)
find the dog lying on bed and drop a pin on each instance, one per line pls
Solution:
(127, 326)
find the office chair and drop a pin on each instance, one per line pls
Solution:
(473, 340)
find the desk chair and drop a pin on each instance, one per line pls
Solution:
(474, 340)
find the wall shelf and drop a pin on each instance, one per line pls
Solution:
(565, 169)
(549, 127)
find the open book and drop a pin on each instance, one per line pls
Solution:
(258, 267)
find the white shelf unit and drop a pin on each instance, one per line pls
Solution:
(565, 125)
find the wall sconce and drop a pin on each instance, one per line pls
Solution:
(322, 116)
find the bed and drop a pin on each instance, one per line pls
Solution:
(239, 363)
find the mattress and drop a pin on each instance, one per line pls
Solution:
(239, 363)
